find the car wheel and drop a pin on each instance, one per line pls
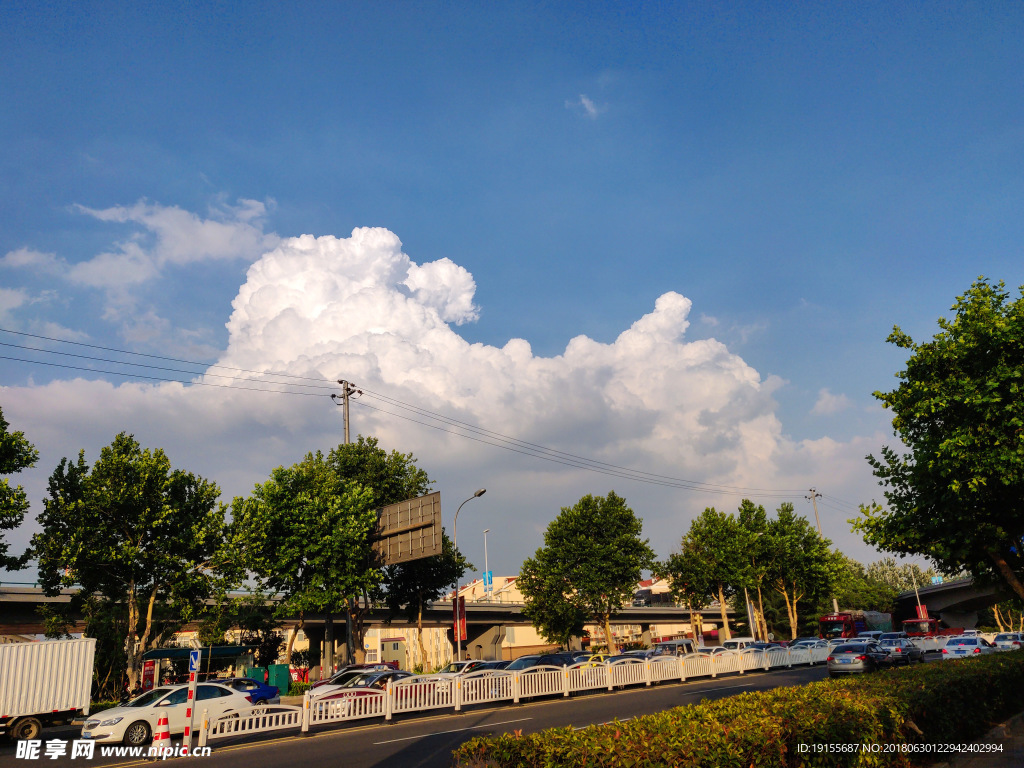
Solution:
(27, 729)
(137, 734)
(260, 702)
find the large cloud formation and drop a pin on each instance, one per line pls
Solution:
(361, 309)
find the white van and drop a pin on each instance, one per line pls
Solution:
(681, 647)
(738, 643)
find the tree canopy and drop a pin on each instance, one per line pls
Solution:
(956, 495)
(306, 535)
(588, 568)
(133, 530)
(16, 454)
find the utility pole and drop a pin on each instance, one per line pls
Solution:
(347, 390)
(813, 497)
(814, 500)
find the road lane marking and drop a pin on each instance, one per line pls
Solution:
(456, 730)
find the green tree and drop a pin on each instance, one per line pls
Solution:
(802, 565)
(16, 454)
(721, 545)
(305, 534)
(899, 578)
(690, 581)
(412, 586)
(592, 559)
(955, 497)
(390, 478)
(135, 532)
(753, 522)
(859, 588)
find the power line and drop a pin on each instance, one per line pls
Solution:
(461, 428)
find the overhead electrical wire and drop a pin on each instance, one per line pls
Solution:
(443, 423)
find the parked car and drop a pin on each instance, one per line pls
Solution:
(962, 647)
(681, 647)
(713, 650)
(892, 636)
(559, 659)
(853, 658)
(491, 665)
(259, 693)
(523, 662)
(349, 671)
(133, 723)
(870, 635)
(1009, 641)
(363, 684)
(901, 651)
(738, 643)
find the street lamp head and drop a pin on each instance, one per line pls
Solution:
(487, 530)
(480, 493)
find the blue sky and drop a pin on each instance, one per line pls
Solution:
(805, 175)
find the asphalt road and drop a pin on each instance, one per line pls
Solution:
(427, 741)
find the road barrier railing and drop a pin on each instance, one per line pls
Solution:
(259, 719)
(426, 693)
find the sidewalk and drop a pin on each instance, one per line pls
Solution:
(1008, 735)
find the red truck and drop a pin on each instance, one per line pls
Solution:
(928, 628)
(852, 623)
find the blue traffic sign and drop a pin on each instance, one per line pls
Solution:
(488, 579)
(193, 661)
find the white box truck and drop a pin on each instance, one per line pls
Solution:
(44, 683)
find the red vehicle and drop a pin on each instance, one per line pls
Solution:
(928, 628)
(852, 623)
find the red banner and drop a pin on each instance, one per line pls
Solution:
(459, 618)
(148, 672)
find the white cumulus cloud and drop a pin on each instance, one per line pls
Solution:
(361, 309)
(828, 404)
(586, 106)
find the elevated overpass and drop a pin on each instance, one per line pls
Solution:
(956, 602)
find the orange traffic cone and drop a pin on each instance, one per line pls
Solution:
(161, 737)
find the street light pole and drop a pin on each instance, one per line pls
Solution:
(455, 542)
(486, 568)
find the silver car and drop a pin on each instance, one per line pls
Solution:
(966, 648)
(853, 658)
(901, 651)
(1009, 641)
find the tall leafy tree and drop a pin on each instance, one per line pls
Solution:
(956, 495)
(899, 577)
(390, 478)
(134, 531)
(802, 564)
(753, 522)
(305, 534)
(718, 541)
(592, 559)
(411, 587)
(690, 581)
(16, 454)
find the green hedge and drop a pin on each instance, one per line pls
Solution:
(938, 703)
(297, 689)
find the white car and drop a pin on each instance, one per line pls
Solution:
(966, 647)
(133, 723)
(1009, 641)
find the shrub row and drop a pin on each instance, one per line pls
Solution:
(928, 704)
(297, 689)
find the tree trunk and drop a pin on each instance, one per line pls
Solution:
(725, 616)
(133, 624)
(419, 637)
(760, 613)
(998, 618)
(1007, 572)
(612, 647)
(291, 638)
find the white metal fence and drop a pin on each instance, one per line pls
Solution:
(424, 692)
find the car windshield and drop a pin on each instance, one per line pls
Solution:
(148, 698)
(962, 641)
(523, 662)
(453, 667)
(1007, 636)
